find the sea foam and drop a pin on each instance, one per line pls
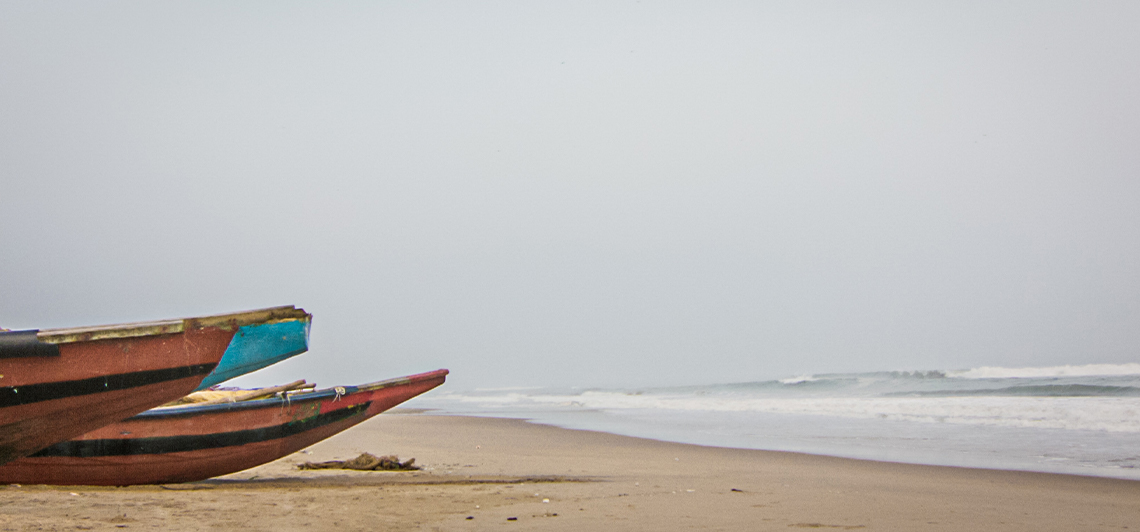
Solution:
(1109, 414)
(1076, 418)
(1087, 370)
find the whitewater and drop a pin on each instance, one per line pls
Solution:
(1082, 419)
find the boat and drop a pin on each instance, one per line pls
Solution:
(257, 345)
(194, 442)
(56, 384)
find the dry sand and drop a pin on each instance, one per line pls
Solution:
(480, 472)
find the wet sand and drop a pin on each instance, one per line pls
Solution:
(481, 472)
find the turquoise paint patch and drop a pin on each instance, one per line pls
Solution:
(257, 346)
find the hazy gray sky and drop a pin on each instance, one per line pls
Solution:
(537, 193)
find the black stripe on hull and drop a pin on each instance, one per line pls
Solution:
(175, 444)
(16, 344)
(47, 391)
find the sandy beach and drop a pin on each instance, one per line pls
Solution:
(484, 473)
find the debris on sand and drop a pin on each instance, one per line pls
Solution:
(365, 462)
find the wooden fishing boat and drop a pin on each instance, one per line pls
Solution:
(57, 384)
(196, 442)
(257, 345)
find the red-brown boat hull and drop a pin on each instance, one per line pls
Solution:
(57, 384)
(68, 399)
(190, 443)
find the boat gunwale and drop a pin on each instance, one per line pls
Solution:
(171, 326)
(277, 401)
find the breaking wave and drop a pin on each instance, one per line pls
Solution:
(1077, 418)
(1087, 370)
(1043, 390)
(1101, 397)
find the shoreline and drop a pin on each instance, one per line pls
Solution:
(428, 412)
(868, 454)
(491, 469)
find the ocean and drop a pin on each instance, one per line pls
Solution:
(1064, 419)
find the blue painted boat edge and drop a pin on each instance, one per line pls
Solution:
(260, 345)
(276, 401)
(234, 372)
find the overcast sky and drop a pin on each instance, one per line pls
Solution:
(539, 193)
